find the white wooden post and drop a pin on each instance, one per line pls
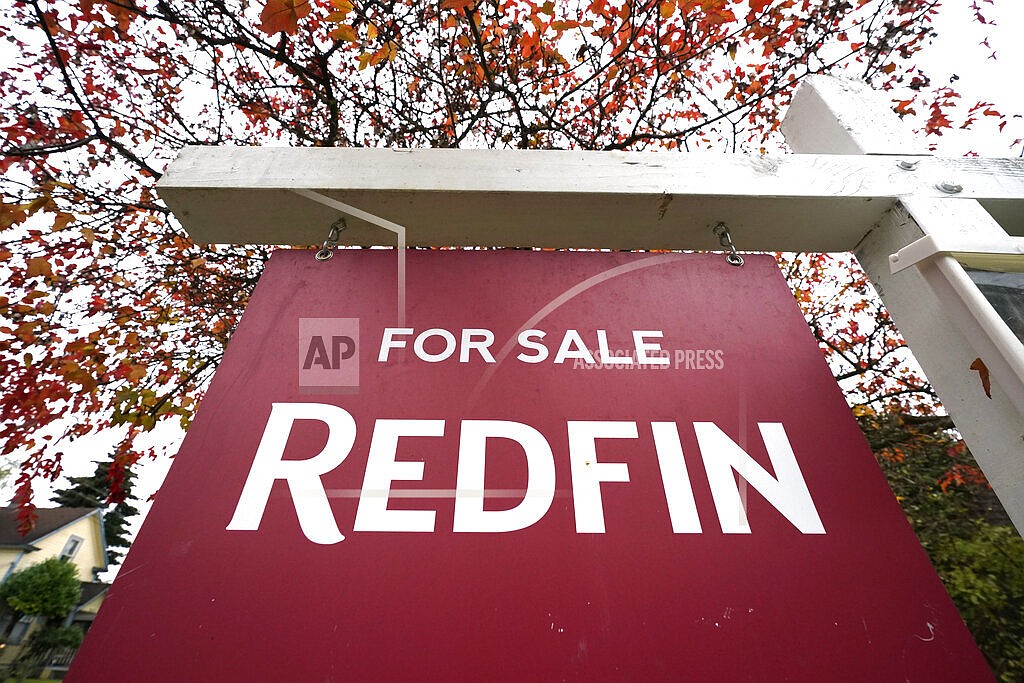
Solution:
(939, 311)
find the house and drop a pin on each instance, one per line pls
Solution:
(75, 534)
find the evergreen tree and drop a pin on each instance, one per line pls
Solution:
(95, 491)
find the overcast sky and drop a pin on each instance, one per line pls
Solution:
(958, 58)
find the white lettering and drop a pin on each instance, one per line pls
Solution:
(588, 473)
(723, 460)
(525, 340)
(620, 357)
(382, 469)
(469, 489)
(389, 342)
(682, 508)
(303, 476)
(419, 346)
(572, 339)
(642, 347)
(481, 345)
(787, 491)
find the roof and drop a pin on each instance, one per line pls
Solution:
(90, 590)
(48, 521)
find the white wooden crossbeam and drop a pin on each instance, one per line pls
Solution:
(614, 200)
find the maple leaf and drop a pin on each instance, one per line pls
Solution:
(62, 220)
(903, 107)
(282, 16)
(136, 373)
(39, 266)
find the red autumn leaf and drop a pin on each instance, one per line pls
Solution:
(982, 369)
(26, 510)
(903, 107)
(282, 16)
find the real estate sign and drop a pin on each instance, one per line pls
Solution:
(554, 466)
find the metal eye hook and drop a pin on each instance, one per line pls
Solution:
(721, 231)
(325, 252)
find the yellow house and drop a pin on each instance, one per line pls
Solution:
(74, 534)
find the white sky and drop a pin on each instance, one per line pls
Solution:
(957, 51)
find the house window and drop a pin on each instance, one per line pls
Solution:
(71, 547)
(19, 630)
(1004, 291)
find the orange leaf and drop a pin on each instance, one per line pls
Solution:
(345, 33)
(459, 5)
(136, 373)
(39, 266)
(26, 331)
(61, 221)
(283, 16)
(341, 10)
(667, 10)
(986, 382)
(379, 56)
(903, 107)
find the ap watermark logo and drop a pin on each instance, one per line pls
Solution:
(328, 355)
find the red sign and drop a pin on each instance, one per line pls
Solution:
(557, 466)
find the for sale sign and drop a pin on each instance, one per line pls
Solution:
(552, 466)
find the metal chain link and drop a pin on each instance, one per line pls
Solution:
(325, 253)
(725, 239)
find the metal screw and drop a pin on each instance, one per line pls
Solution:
(908, 165)
(949, 187)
